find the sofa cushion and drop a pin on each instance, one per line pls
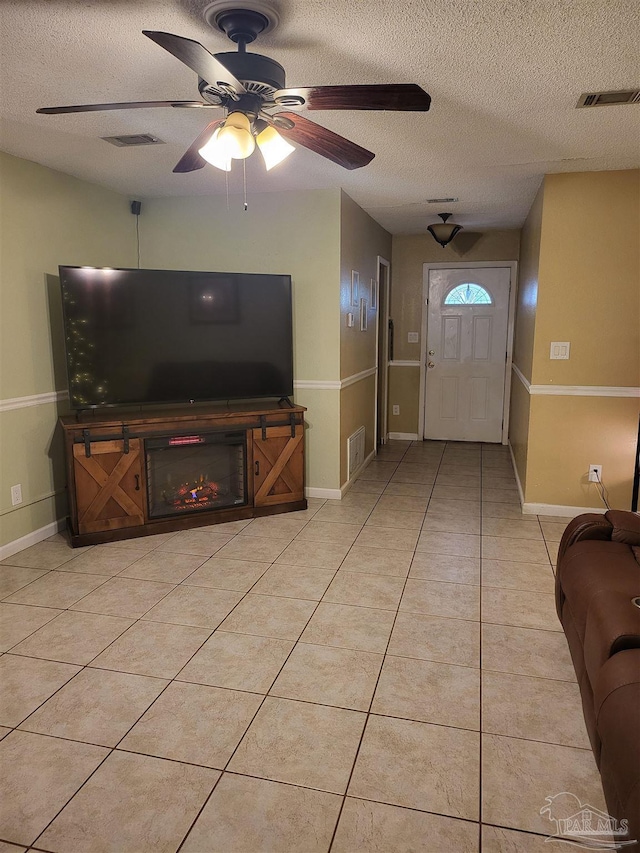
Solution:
(613, 625)
(591, 568)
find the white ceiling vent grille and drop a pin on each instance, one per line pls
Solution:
(441, 200)
(609, 99)
(134, 139)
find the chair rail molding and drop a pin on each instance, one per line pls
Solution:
(576, 390)
(13, 403)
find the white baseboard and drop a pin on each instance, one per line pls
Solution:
(517, 476)
(549, 509)
(404, 436)
(338, 494)
(327, 494)
(558, 509)
(32, 538)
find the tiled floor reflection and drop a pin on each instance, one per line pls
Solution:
(381, 673)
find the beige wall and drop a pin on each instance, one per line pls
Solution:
(525, 321)
(46, 219)
(362, 240)
(409, 254)
(585, 228)
(527, 301)
(590, 274)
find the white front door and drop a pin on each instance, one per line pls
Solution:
(467, 322)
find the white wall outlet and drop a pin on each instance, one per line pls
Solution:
(413, 337)
(559, 349)
(396, 410)
(16, 495)
(595, 473)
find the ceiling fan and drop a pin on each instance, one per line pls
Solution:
(251, 89)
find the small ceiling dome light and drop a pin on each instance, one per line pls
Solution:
(444, 232)
(273, 147)
(236, 138)
(215, 153)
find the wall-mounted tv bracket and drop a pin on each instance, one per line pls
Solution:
(87, 439)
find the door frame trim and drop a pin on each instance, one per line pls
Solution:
(426, 268)
(380, 261)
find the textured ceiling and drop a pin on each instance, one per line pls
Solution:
(504, 76)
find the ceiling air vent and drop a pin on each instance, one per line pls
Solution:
(441, 200)
(609, 99)
(134, 139)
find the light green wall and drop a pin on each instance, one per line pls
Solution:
(46, 219)
(362, 240)
(292, 233)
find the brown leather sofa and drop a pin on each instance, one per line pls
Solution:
(597, 584)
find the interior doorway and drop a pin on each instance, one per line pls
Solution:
(382, 350)
(467, 337)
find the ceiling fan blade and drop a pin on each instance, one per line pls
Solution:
(323, 141)
(391, 96)
(198, 58)
(129, 105)
(191, 159)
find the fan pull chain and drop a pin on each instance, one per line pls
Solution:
(244, 184)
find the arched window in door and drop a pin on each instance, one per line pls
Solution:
(468, 294)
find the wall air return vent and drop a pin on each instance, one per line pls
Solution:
(609, 99)
(134, 139)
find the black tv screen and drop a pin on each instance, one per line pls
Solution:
(165, 336)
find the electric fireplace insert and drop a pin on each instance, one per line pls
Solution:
(194, 473)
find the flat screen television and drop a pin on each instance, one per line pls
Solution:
(166, 336)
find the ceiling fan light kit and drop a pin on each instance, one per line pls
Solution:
(444, 232)
(251, 88)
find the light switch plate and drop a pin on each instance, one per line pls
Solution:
(413, 337)
(350, 320)
(559, 349)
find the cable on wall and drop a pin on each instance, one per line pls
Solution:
(136, 207)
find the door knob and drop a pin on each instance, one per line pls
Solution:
(430, 364)
(432, 352)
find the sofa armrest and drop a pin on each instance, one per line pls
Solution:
(626, 526)
(590, 525)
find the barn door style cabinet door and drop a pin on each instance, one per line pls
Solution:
(278, 463)
(157, 471)
(108, 485)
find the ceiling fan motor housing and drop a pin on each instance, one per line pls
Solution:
(260, 75)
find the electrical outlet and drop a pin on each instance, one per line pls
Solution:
(396, 410)
(595, 473)
(413, 337)
(16, 495)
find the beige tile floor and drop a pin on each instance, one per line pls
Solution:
(382, 673)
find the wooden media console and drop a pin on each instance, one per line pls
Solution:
(165, 469)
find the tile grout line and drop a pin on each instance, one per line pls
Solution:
(267, 694)
(368, 713)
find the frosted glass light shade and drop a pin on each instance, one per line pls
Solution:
(236, 138)
(444, 232)
(213, 152)
(273, 147)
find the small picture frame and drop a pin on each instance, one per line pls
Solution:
(355, 286)
(363, 315)
(374, 294)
